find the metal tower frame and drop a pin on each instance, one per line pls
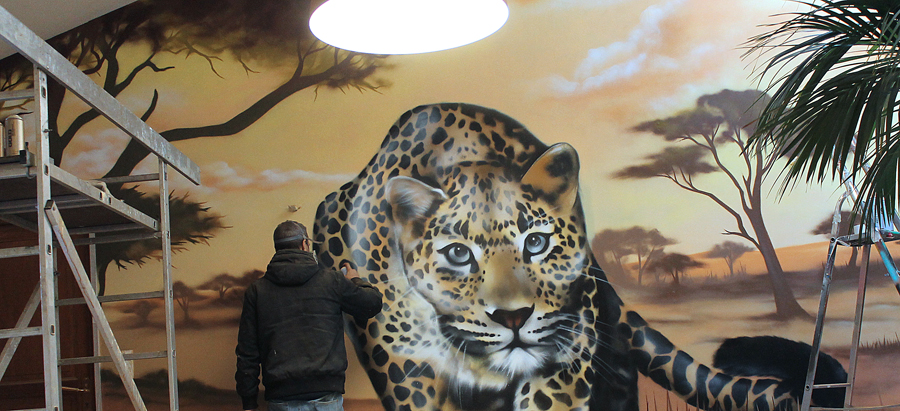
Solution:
(873, 233)
(37, 195)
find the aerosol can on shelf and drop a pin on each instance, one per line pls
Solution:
(4, 143)
(14, 136)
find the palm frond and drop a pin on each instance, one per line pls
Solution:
(835, 87)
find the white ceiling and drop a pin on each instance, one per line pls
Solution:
(48, 18)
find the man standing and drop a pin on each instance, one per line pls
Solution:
(292, 327)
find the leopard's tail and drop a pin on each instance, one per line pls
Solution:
(784, 359)
(704, 387)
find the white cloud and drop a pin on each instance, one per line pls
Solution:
(269, 179)
(222, 177)
(642, 50)
(93, 155)
(574, 4)
(615, 72)
(658, 46)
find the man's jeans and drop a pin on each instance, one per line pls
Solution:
(330, 402)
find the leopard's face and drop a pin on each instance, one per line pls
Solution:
(497, 264)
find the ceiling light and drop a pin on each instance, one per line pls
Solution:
(406, 26)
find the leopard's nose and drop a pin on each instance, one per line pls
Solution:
(511, 319)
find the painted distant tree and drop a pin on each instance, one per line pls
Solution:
(142, 310)
(220, 283)
(716, 127)
(241, 283)
(270, 33)
(675, 265)
(191, 223)
(607, 259)
(249, 277)
(643, 244)
(824, 229)
(184, 296)
(729, 251)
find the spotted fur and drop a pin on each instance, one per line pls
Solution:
(473, 230)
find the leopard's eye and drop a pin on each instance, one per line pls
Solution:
(457, 254)
(536, 243)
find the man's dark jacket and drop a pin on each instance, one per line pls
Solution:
(292, 326)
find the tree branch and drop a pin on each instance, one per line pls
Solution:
(152, 106)
(691, 188)
(55, 95)
(191, 49)
(134, 72)
(134, 153)
(744, 236)
(62, 140)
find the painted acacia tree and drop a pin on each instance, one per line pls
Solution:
(675, 265)
(700, 139)
(184, 296)
(244, 31)
(729, 251)
(221, 284)
(645, 245)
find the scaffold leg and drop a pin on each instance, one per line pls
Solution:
(820, 323)
(84, 283)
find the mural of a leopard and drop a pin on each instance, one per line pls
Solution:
(473, 230)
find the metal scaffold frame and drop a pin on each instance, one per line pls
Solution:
(55, 196)
(876, 233)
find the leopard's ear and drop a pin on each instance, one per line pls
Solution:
(554, 176)
(412, 200)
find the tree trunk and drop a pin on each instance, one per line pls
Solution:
(640, 271)
(786, 306)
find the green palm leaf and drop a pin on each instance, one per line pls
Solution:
(835, 97)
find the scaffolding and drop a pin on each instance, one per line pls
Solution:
(37, 195)
(876, 232)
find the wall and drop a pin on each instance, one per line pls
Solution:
(589, 73)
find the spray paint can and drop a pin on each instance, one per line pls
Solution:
(15, 135)
(3, 141)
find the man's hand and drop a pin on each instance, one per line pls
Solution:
(349, 271)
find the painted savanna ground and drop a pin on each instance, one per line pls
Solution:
(710, 304)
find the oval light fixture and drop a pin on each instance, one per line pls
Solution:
(406, 26)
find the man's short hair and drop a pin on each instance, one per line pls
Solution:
(289, 234)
